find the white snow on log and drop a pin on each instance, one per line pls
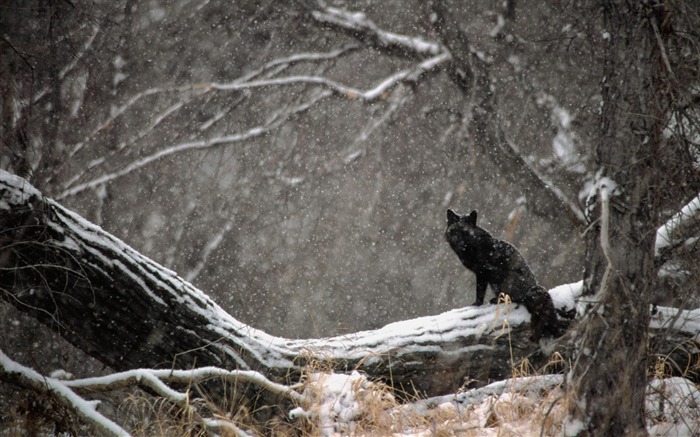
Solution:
(423, 334)
(522, 385)
(689, 213)
(564, 296)
(18, 190)
(680, 320)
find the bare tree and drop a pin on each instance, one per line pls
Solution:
(637, 155)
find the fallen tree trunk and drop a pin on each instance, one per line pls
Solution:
(129, 312)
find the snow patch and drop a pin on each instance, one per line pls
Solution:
(673, 407)
(17, 190)
(564, 296)
(683, 320)
(61, 374)
(687, 215)
(340, 401)
(572, 427)
(606, 187)
(118, 78)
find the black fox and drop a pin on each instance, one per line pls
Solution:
(499, 264)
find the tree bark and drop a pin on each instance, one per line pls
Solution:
(608, 379)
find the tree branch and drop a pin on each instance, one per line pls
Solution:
(472, 76)
(409, 74)
(271, 123)
(15, 373)
(365, 30)
(680, 230)
(274, 121)
(273, 67)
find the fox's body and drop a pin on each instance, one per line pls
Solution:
(499, 264)
(494, 262)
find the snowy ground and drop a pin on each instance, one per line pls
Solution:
(352, 405)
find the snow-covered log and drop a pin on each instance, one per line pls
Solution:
(129, 312)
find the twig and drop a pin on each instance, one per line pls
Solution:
(16, 373)
(156, 378)
(275, 121)
(365, 29)
(374, 93)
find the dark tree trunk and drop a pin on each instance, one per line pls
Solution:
(608, 380)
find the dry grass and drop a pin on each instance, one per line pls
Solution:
(152, 416)
(510, 414)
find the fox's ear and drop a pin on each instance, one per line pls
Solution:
(452, 217)
(472, 218)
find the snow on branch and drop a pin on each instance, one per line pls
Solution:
(155, 379)
(371, 94)
(13, 372)
(674, 232)
(273, 122)
(365, 29)
(67, 391)
(277, 65)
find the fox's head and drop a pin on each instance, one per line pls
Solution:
(462, 230)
